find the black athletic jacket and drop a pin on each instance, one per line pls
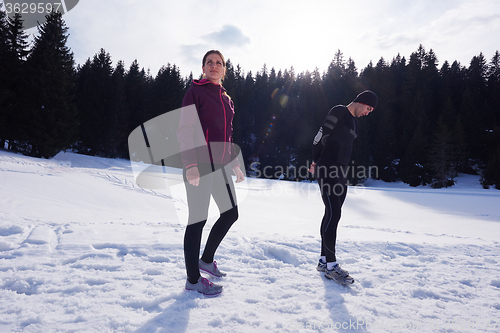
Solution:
(333, 143)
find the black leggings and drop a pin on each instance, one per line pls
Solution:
(333, 193)
(220, 186)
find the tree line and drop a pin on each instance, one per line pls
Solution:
(432, 122)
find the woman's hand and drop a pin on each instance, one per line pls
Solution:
(193, 176)
(239, 174)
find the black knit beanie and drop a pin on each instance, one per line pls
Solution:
(367, 97)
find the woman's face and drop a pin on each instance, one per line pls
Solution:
(214, 69)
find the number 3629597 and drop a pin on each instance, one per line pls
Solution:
(31, 8)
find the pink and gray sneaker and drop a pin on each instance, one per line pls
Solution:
(205, 287)
(210, 268)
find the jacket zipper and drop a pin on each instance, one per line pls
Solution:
(210, 152)
(225, 125)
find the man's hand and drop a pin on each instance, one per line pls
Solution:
(312, 167)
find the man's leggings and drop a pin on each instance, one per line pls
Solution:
(333, 193)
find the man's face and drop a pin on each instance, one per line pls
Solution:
(364, 110)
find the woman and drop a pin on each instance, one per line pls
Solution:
(205, 170)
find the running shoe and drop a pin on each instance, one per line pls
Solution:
(339, 275)
(321, 266)
(210, 268)
(205, 287)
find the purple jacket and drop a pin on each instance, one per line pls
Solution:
(215, 112)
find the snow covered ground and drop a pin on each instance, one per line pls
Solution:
(84, 249)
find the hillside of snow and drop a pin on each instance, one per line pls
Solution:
(84, 249)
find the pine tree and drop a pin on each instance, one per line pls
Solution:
(477, 76)
(493, 77)
(460, 149)
(413, 99)
(491, 175)
(441, 157)
(13, 81)
(83, 102)
(430, 82)
(96, 105)
(136, 94)
(397, 106)
(412, 167)
(3, 31)
(231, 82)
(166, 91)
(474, 109)
(468, 112)
(118, 116)
(245, 129)
(52, 123)
(361, 157)
(4, 87)
(332, 80)
(188, 81)
(383, 145)
(413, 162)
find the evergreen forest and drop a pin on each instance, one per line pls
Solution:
(435, 119)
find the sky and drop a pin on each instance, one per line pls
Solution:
(281, 34)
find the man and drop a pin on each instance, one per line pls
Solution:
(331, 151)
